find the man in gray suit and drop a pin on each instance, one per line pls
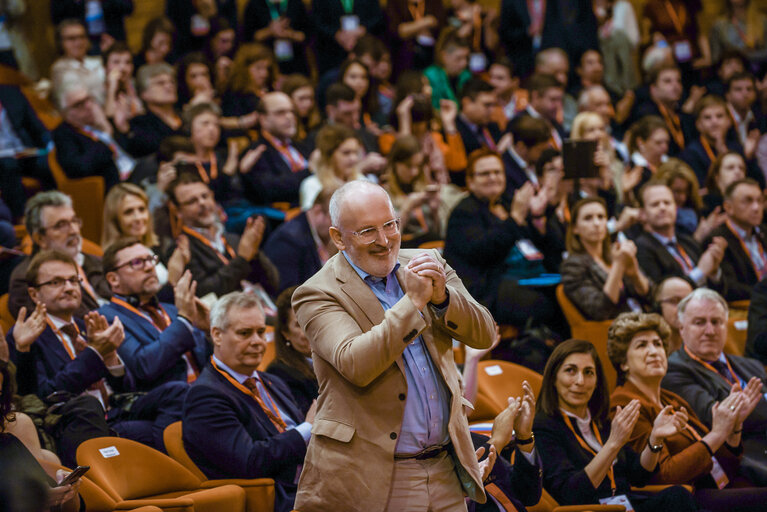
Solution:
(701, 373)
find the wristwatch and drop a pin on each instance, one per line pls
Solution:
(529, 440)
(654, 448)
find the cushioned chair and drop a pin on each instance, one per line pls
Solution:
(134, 475)
(737, 328)
(496, 381)
(595, 332)
(549, 504)
(87, 197)
(6, 318)
(259, 492)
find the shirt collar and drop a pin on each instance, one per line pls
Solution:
(662, 239)
(581, 421)
(518, 159)
(741, 232)
(474, 128)
(364, 275)
(57, 322)
(239, 377)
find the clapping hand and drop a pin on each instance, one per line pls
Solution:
(27, 330)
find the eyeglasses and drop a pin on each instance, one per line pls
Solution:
(205, 196)
(370, 235)
(65, 224)
(58, 282)
(139, 263)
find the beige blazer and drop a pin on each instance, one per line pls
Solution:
(357, 353)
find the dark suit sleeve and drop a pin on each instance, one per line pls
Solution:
(583, 291)
(18, 294)
(227, 278)
(265, 272)
(282, 250)
(681, 379)
(527, 479)
(756, 345)
(264, 185)
(79, 158)
(212, 427)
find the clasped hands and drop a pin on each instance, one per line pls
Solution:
(425, 280)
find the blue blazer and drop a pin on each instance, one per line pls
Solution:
(154, 357)
(228, 435)
(52, 369)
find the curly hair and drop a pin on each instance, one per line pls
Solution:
(622, 331)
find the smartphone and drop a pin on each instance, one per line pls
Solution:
(74, 476)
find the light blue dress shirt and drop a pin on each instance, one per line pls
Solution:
(427, 406)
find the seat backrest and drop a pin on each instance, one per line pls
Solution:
(87, 196)
(498, 380)
(128, 470)
(6, 318)
(174, 445)
(595, 332)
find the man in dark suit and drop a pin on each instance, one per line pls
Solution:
(163, 342)
(547, 102)
(277, 174)
(526, 32)
(743, 108)
(530, 136)
(662, 252)
(477, 99)
(104, 25)
(340, 24)
(214, 263)
(301, 246)
(55, 351)
(52, 223)
(239, 422)
(665, 94)
(744, 263)
(702, 374)
(24, 139)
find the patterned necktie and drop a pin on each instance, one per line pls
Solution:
(74, 334)
(161, 322)
(724, 371)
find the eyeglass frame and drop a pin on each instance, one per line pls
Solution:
(51, 282)
(378, 229)
(153, 258)
(64, 223)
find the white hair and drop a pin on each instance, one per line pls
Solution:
(219, 313)
(352, 187)
(701, 294)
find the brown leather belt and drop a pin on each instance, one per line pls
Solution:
(426, 453)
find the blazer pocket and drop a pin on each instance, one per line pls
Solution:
(333, 429)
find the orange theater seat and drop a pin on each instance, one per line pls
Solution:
(134, 475)
(595, 332)
(496, 381)
(6, 318)
(87, 197)
(259, 492)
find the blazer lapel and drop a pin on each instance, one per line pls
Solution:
(258, 413)
(359, 292)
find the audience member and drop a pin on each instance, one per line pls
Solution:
(122, 102)
(744, 263)
(301, 246)
(163, 342)
(510, 98)
(648, 146)
(252, 75)
(726, 169)
(52, 224)
(281, 166)
(293, 355)
(742, 27)
(354, 73)
(663, 252)
(743, 110)
(75, 66)
(239, 422)
(105, 21)
(194, 80)
(413, 30)
(530, 136)
(637, 345)
(192, 20)
(588, 458)
(756, 340)
(156, 43)
(80, 357)
(342, 106)
(667, 296)
(703, 374)
(602, 279)
(284, 26)
(449, 72)
(301, 90)
(213, 262)
(546, 96)
(474, 124)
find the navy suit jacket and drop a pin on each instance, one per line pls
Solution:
(53, 370)
(154, 357)
(81, 156)
(292, 250)
(26, 125)
(271, 178)
(736, 265)
(515, 175)
(228, 435)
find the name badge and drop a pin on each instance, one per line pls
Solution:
(350, 22)
(682, 51)
(477, 62)
(620, 499)
(718, 474)
(283, 50)
(528, 250)
(425, 40)
(199, 26)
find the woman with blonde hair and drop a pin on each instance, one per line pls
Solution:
(335, 161)
(591, 126)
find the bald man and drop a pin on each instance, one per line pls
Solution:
(390, 433)
(275, 166)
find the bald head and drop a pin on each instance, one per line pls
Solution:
(353, 195)
(277, 114)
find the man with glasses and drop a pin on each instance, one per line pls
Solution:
(163, 342)
(52, 223)
(214, 262)
(56, 352)
(381, 324)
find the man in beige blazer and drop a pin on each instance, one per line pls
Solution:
(390, 433)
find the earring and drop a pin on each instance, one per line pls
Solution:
(287, 343)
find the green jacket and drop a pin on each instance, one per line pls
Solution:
(440, 84)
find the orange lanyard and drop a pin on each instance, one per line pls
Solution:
(501, 498)
(673, 124)
(759, 273)
(685, 262)
(60, 335)
(213, 169)
(417, 9)
(120, 302)
(93, 137)
(284, 149)
(707, 148)
(585, 446)
(207, 242)
(272, 411)
(678, 19)
(711, 368)
(86, 284)
(748, 41)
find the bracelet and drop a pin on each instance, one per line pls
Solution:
(654, 448)
(529, 440)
